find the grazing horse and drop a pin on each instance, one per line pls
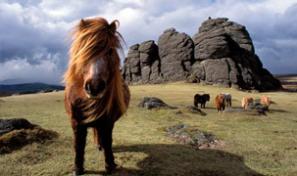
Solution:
(247, 102)
(220, 102)
(228, 99)
(201, 99)
(265, 101)
(95, 93)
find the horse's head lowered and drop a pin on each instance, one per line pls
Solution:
(94, 67)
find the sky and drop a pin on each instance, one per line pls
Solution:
(34, 34)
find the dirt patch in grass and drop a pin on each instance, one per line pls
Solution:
(195, 110)
(16, 139)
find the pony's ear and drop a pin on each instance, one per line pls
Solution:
(82, 24)
(114, 25)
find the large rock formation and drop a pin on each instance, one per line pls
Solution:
(225, 55)
(142, 63)
(176, 55)
(221, 53)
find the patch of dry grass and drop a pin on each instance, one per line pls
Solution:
(16, 139)
(254, 145)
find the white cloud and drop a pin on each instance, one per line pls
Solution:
(46, 71)
(275, 6)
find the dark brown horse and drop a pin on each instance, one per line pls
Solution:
(95, 94)
(201, 99)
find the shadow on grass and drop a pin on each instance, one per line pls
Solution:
(277, 111)
(176, 159)
(209, 107)
(251, 111)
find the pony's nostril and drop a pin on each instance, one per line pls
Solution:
(95, 89)
(101, 86)
(88, 88)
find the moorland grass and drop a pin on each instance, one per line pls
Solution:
(253, 145)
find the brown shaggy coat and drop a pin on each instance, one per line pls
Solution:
(94, 39)
(220, 102)
(265, 101)
(246, 102)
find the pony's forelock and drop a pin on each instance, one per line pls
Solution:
(93, 38)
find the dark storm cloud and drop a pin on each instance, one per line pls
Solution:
(275, 40)
(20, 37)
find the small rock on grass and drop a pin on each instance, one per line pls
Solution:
(154, 103)
(189, 135)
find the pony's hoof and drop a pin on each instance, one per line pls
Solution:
(109, 169)
(78, 172)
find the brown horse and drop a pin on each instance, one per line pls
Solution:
(265, 101)
(247, 102)
(95, 93)
(220, 102)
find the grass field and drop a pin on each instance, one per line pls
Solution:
(254, 145)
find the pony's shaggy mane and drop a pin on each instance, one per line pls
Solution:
(94, 39)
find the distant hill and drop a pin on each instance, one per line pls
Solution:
(285, 75)
(26, 88)
(288, 81)
(14, 81)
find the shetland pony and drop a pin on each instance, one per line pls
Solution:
(95, 93)
(220, 102)
(247, 102)
(201, 99)
(265, 101)
(228, 99)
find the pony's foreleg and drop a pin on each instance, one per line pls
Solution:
(80, 133)
(97, 138)
(106, 143)
(196, 104)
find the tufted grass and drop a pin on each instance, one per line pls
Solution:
(254, 145)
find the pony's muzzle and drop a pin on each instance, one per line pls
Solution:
(95, 90)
